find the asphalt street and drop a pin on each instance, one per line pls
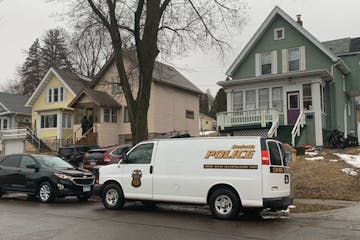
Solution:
(21, 218)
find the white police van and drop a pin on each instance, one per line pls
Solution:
(231, 174)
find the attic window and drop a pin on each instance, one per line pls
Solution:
(279, 33)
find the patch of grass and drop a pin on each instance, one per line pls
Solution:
(324, 179)
(305, 208)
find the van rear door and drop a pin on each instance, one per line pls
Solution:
(276, 173)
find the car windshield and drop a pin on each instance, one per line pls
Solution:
(53, 162)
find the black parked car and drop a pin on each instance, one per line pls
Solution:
(74, 154)
(44, 176)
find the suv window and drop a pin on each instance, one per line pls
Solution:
(11, 161)
(65, 151)
(275, 156)
(26, 160)
(141, 154)
(120, 150)
(96, 155)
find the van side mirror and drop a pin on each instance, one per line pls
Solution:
(33, 166)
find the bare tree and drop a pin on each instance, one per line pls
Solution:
(151, 26)
(90, 49)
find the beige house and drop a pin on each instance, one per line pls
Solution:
(174, 104)
(207, 123)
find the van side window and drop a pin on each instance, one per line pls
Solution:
(141, 154)
(284, 155)
(275, 157)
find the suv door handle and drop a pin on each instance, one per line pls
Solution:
(151, 169)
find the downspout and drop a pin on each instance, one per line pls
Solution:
(332, 121)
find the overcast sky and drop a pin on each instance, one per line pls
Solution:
(21, 22)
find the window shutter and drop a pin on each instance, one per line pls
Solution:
(257, 65)
(285, 63)
(274, 62)
(64, 92)
(302, 59)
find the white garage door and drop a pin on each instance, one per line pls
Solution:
(13, 146)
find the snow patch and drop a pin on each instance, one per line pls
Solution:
(349, 171)
(311, 154)
(353, 160)
(315, 158)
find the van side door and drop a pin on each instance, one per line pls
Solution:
(137, 179)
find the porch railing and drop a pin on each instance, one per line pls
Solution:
(300, 122)
(248, 117)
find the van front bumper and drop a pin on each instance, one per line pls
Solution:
(278, 203)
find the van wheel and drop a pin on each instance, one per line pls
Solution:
(224, 204)
(113, 197)
(46, 192)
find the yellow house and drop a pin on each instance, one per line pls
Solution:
(52, 119)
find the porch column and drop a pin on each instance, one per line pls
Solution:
(59, 125)
(316, 106)
(229, 104)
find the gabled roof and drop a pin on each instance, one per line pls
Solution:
(100, 98)
(14, 103)
(264, 26)
(343, 45)
(162, 73)
(72, 81)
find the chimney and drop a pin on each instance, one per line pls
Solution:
(298, 20)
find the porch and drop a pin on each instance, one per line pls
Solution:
(267, 123)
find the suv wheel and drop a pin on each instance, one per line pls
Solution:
(224, 203)
(46, 192)
(113, 197)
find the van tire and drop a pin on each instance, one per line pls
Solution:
(224, 203)
(113, 197)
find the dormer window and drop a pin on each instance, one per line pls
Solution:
(279, 33)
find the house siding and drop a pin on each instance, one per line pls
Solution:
(167, 112)
(167, 108)
(315, 58)
(42, 106)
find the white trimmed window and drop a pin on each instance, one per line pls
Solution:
(293, 59)
(48, 121)
(110, 115)
(115, 85)
(277, 98)
(307, 96)
(250, 100)
(279, 33)
(266, 63)
(238, 101)
(55, 95)
(67, 120)
(263, 95)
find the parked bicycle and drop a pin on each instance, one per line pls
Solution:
(336, 139)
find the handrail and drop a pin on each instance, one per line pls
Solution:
(275, 124)
(296, 129)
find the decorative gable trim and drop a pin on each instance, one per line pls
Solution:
(42, 86)
(276, 11)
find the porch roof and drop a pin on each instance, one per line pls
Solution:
(324, 74)
(101, 99)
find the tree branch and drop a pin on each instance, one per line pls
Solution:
(99, 14)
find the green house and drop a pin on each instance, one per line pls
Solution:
(287, 84)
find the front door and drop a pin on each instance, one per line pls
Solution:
(293, 107)
(137, 180)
